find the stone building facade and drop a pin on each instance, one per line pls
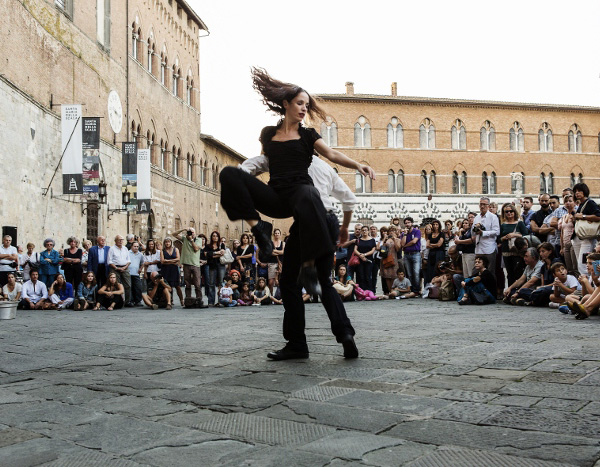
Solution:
(435, 157)
(77, 52)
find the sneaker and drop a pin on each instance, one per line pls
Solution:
(554, 305)
(519, 302)
(262, 234)
(565, 310)
(256, 304)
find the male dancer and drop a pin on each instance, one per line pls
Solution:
(328, 183)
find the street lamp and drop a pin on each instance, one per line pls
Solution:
(125, 199)
(102, 192)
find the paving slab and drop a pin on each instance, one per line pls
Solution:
(349, 445)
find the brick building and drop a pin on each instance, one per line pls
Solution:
(455, 150)
(79, 52)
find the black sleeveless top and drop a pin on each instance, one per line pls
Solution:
(289, 160)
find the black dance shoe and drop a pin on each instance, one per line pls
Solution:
(286, 354)
(309, 280)
(262, 234)
(350, 349)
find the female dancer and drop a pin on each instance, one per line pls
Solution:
(289, 147)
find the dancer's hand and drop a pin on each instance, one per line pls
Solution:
(367, 171)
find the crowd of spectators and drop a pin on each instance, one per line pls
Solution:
(518, 253)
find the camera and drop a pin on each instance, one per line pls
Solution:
(478, 228)
(158, 277)
(444, 265)
(190, 233)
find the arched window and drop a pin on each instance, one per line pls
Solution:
(543, 187)
(391, 181)
(188, 90)
(395, 134)
(517, 138)
(432, 182)
(463, 182)
(459, 135)
(162, 155)
(189, 167)
(149, 55)
(205, 171)
(359, 181)
(174, 82)
(174, 161)
(459, 182)
(134, 41)
(329, 133)
(400, 181)
(455, 183)
(485, 183)
(487, 137)
(545, 141)
(575, 139)
(362, 133)
(163, 69)
(550, 183)
(427, 135)
(216, 178)
(424, 182)
(492, 183)
(516, 185)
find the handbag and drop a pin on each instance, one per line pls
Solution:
(586, 230)
(388, 261)
(511, 241)
(227, 257)
(354, 260)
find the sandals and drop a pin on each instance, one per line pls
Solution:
(169, 307)
(580, 311)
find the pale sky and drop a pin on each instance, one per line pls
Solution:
(521, 51)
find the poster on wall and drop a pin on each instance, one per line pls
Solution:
(90, 144)
(144, 194)
(70, 125)
(129, 177)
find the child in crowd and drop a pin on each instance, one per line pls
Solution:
(245, 295)
(261, 295)
(401, 286)
(589, 301)
(564, 284)
(226, 293)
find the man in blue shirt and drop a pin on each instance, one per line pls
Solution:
(136, 263)
(411, 244)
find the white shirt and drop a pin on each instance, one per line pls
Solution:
(34, 292)
(326, 181)
(5, 263)
(118, 256)
(485, 244)
(148, 258)
(12, 295)
(101, 255)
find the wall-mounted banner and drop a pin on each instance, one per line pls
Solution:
(129, 176)
(70, 125)
(144, 193)
(90, 143)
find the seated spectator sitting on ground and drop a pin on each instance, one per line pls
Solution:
(261, 294)
(563, 285)
(455, 267)
(236, 283)
(34, 293)
(12, 290)
(519, 292)
(245, 295)
(401, 286)
(480, 287)
(61, 293)
(343, 284)
(306, 297)
(226, 293)
(276, 297)
(110, 295)
(589, 303)
(86, 292)
(159, 293)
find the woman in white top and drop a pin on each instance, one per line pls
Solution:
(87, 244)
(12, 290)
(151, 259)
(29, 260)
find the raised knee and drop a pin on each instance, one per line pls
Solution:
(227, 173)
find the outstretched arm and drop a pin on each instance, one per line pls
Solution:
(338, 158)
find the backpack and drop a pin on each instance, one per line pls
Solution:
(447, 292)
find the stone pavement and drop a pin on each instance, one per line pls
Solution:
(436, 385)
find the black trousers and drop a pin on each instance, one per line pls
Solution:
(291, 292)
(244, 196)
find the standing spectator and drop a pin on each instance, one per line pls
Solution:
(110, 295)
(537, 220)
(566, 227)
(49, 261)
(216, 271)
(550, 224)
(274, 261)
(98, 260)
(375, 265)
(466, 244)
(86, 292)
(118, 260)
(411, 245)
(364, 249)
(34, 293)
(169, 267)
(388, 249)
(425, 232)
(435, 244)
(350, 245)
(29, 261)
(136, 265)
(86, 253)
(511, 229)
(151, 260)
(527, 205)
(12, 290)
(9, 259)
(485, 230)
(72, 262)
(61, 293)
(191, 249)
(589, 211)
(245, 254)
